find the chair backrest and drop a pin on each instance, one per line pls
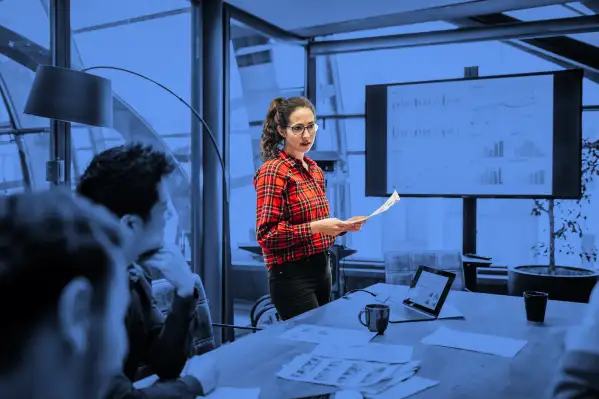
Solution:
(400, 266)
(163, 293)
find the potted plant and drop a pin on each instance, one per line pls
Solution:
(566, 219)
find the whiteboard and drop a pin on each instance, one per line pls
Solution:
(475, 137)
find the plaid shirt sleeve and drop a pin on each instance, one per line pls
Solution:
(272, 231)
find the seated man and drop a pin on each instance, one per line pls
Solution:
(63, 291)
(130, 181)
(578, 374)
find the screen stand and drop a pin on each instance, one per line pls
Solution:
(469, 225)
(469, 203)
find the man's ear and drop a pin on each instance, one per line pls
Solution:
(131, 222)
(75, 314)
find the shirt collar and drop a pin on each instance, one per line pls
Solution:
(294, 161)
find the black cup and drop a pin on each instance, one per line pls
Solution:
(377, 317)
(536, 305)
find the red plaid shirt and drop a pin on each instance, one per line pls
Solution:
(289, 197)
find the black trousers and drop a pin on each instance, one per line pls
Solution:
(300, 286)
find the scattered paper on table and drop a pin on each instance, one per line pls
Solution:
(405, 372)
(406, 388)
(393, 354)
(234, 393)
(383, 208)
(366, 376)
(328, 335)
(500, 346)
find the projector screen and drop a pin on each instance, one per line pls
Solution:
(516, 136)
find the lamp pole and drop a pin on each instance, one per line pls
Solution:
(58, 170)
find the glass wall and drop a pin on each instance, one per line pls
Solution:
(261, 70)
(138, 36)
(23, 156)
(507, 231)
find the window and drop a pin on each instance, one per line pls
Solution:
(427, 223)
(5, 122)
(28, 18)
(11, 174)
(569, 10)
(509, 232)
(96, 14)
(146, 112)
(261, 70)
(17, 81)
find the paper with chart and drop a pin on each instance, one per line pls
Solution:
(328, 335)
(383, 353)
(493, 345)
(383, 208)
(368, 377)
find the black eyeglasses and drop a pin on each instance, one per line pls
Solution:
(298, 130)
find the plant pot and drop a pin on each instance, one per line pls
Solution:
(572, 284)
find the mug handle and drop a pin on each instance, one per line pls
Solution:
(360, 318)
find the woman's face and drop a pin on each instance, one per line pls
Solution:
(299, 135)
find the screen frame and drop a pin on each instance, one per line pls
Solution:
(450, 279)
(567, 112)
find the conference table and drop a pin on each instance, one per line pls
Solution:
(254, 360)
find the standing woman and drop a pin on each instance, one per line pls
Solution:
(293, 226)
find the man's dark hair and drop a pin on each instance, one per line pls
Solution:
(125, 179)
(47, 239)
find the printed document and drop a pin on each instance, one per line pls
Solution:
(383, 208)
(406, 388)
(493, 345)
(328, 335)
(383, 353)
(368, 377)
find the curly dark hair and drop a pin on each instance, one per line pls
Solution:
(47, 239)
(279, 111)
(125, 179)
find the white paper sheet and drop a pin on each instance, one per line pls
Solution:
(500, 346)
(405, 389)
(405, 372)
(328, 335)
(383, 208)
(393, 354)
(234, 393)
(365, 376)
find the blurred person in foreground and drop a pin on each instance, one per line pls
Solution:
(63, 290)
(578, 372)
(130, 180)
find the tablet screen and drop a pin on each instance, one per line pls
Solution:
(428, 290)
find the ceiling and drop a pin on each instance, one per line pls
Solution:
(311, 18)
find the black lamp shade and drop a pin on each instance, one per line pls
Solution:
(71, 96)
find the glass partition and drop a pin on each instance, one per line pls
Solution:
(261, 70)
(125, 37)
(432, 224)
(11, 173)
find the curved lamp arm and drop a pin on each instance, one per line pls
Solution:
(192, 109)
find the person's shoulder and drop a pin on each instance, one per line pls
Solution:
(273, 167)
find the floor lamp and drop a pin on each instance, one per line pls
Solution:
(76, 96)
